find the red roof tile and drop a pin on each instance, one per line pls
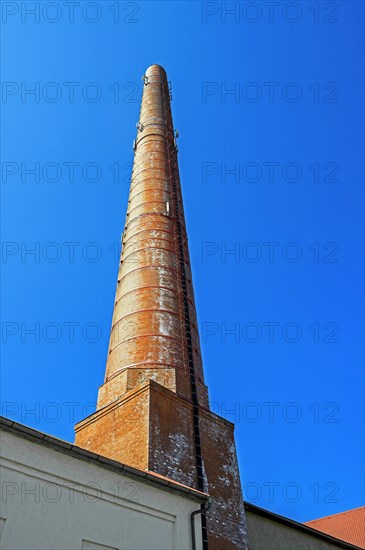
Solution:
(348, 526)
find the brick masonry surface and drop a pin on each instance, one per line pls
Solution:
(153, 408)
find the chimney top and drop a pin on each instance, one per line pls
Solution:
(155, 68)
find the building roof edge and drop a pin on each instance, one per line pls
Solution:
(299, 526)
(65, 447)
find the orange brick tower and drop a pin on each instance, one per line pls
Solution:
(153, 409)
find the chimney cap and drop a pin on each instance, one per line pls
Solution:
(154, 68)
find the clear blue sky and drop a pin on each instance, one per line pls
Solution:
(293, 212)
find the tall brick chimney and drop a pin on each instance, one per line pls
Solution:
(153, 409)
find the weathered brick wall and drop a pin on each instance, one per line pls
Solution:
(226, 519)
(171, 448)
(119, 430)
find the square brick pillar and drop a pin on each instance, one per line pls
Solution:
(151, 428)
